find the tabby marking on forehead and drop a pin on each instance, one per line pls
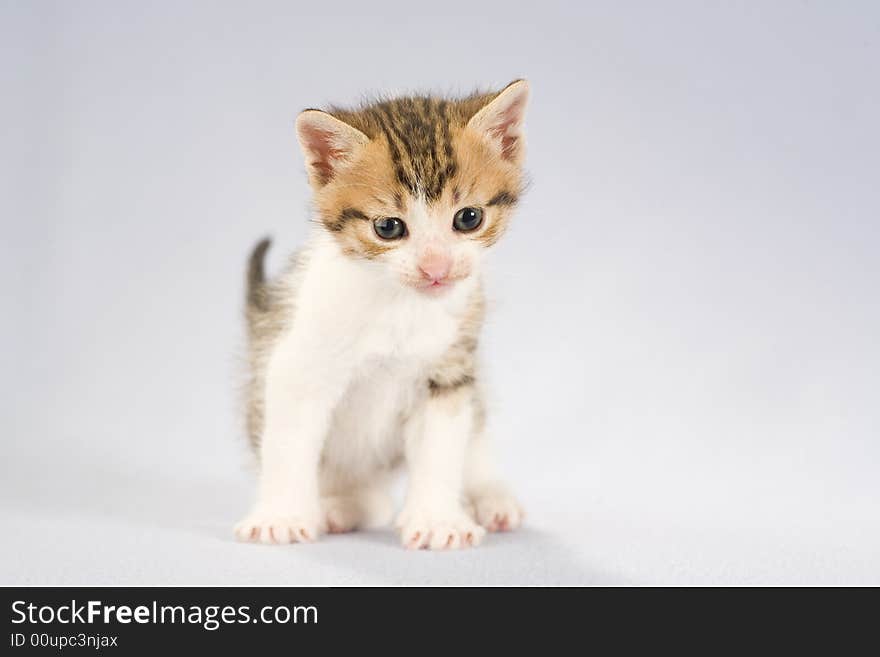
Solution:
(419, 132)
(418, 136)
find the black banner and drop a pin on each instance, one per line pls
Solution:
(147, 620)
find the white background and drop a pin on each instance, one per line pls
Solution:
(683, 340)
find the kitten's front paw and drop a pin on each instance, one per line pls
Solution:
(497, 511)
(274, 528)
(422, 529)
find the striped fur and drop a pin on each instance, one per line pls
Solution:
(419, 133)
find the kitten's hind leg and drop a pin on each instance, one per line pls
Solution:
(495, 508)
(487, 498)
(341, 513)
(364, 506)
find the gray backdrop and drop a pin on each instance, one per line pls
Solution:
(683, 337)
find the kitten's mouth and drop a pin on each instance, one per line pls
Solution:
(433, 288)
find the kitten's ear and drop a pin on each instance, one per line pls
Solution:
(501, 120)
(326, 143)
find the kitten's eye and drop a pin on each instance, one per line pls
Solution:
(389, 228)
(467, 219)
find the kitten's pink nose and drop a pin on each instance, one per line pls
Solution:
(435, 266)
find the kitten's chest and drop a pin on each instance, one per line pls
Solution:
(410, 331)
(368, 316)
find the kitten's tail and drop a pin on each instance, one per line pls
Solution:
(256, 298)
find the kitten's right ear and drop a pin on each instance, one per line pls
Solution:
(327, 143)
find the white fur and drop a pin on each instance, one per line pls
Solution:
(352, 363)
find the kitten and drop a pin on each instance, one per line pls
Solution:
(363, 352)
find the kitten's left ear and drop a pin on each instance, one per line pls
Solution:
(501, 120)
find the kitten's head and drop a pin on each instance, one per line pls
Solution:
(421, 185)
